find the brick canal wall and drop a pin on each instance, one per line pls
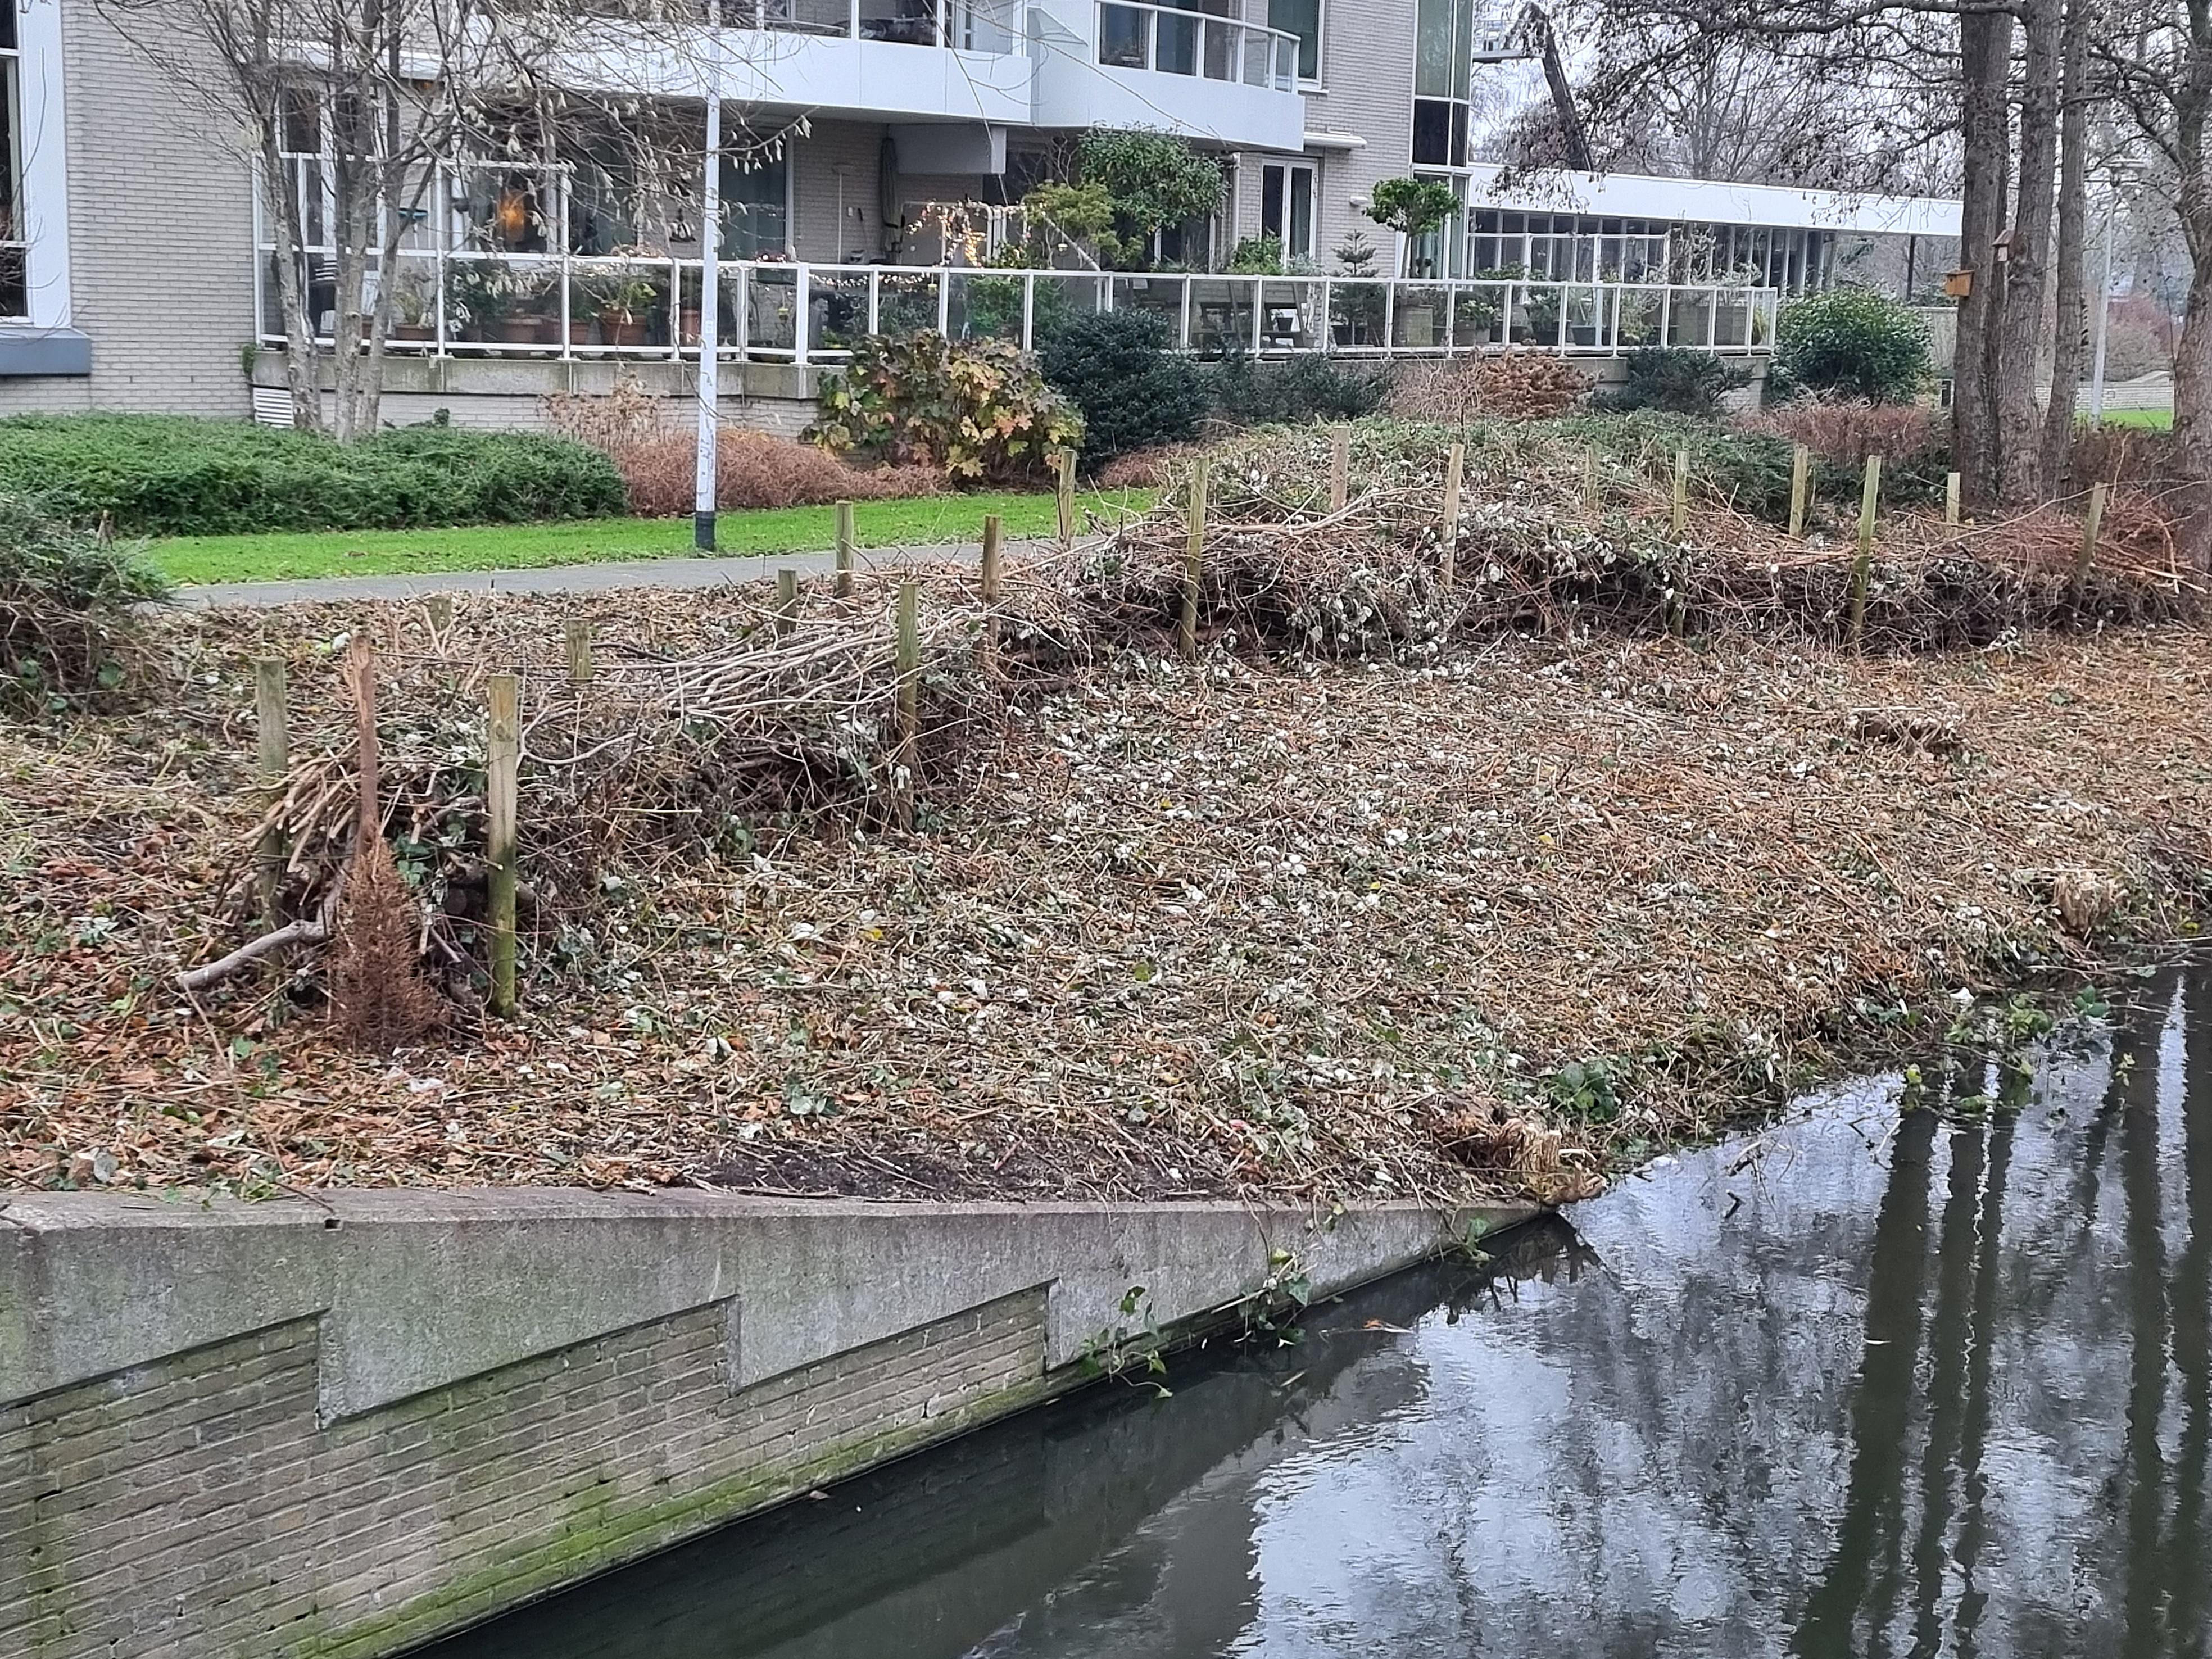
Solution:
(343, 1428)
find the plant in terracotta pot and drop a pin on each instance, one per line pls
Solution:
(415, 306)
(624, 300)
(478, 298)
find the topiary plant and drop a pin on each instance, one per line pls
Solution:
(1852, 341)
(1115, 367)
(1415, 206)
(978, 410)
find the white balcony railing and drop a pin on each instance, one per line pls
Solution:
(963, 25)
(1169, 41)
(574, 307)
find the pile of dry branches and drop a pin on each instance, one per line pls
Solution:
(679, 729)
(1556, 534)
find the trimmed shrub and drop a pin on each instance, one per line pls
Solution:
(1294, 390)
(978, 410)
(66, 595)
(752, 468)
(1854, 342)
(1115, 366)
(1914, 444)
(165, 474)
(1678, 379)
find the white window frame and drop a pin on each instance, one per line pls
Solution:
(1290, 171)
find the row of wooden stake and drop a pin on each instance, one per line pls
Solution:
(1800, 480)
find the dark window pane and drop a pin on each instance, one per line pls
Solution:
(1433, 129)
(1303, 19)
(1459, 135)
(1120, 37)
(1300, 244)
(1271, 201)
(15, 285)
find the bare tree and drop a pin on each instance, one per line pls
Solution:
(2158, 55)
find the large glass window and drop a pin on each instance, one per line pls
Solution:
(1444, 67)
(1304, 19)
(15, 241)
(757, 207)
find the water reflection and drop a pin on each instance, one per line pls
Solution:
(1939, 1383)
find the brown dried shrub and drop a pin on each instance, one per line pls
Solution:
(653, 446)
(1516, 385)
(380, 1000)
(1142, 469)
(754, 468)
(1845, 431)
(2126, 455)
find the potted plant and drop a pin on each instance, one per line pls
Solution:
(478, 299)
(624, 300)
(415, 307)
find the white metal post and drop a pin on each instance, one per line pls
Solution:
(2103, 321)
(710, 284)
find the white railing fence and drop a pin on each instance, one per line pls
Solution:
(574, 306)
(1134, 34)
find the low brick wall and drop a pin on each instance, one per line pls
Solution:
(341, 1428)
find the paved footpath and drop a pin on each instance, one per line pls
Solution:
(603, 578)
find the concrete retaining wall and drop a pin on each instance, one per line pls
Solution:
(340, 1427)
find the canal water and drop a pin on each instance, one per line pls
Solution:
(1875, 1381)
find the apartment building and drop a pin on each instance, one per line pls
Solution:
(137, 272)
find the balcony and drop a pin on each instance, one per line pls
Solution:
(1215, 79)
(957, 60)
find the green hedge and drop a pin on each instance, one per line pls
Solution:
(160, 474)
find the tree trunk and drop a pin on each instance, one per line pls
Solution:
(2020, 348)
(1986, 61)
(292, 299)
(2070, 313)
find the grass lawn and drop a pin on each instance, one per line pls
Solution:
(2158, 420)
(516, 546)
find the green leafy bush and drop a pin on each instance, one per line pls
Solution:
(980, 409)
(1678, 379)
(1307, 387)
(1115, 367)
(1852, 342)
(66, 594)
(1257, 256)
(1153, 180)
(165, 475)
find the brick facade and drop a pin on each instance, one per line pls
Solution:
(196, 1505)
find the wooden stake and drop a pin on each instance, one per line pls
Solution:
(272, 715)
(1682, 518)
(1801, 485)
(1590, 477)
(502, 768)
(786, 601)
(1064, 481)
(994, 534)
(2092, 528)
(845, 550)
(1194, 554)
(908, 666)
(441, 612)
(1863, 566)
(1951, 499)
(360, 671)
(1340, 469)
(1454, 476)
(579, 634)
